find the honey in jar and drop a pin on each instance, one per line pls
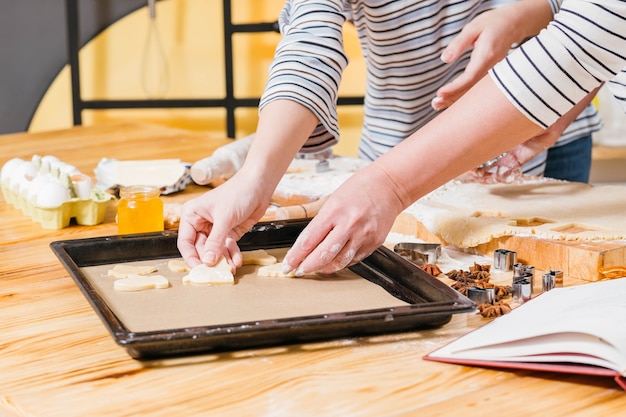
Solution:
(140, 210)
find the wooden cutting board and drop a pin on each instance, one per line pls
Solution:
(589, 261)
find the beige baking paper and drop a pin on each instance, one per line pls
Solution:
(251, 299)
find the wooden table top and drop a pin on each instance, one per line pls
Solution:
(58, 359)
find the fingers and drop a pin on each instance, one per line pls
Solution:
(186, 243)
(324, 250)
(452, 91)
(216, 243)
(459, 44)
(234, 253)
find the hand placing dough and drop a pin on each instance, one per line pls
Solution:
(351, 225)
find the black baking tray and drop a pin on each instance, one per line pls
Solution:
(423, 301)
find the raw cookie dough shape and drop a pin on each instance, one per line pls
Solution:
(125, 271)
(530, 222)
(221, 273)
(141, 283)
(274, 271)
(574, 228)
(258, 257)
(177, 265)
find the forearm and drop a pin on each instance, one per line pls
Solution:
(528, 17)
(479, 126)
(283, 127)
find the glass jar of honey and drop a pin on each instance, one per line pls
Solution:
(140, 210)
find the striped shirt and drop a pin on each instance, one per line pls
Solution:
(584, 46)
(401, 42)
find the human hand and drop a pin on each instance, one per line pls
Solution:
(211, 224)
(507, 168)
(353, 222)
(492, 34)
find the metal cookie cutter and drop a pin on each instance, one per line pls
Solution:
(504, 259)
(522, 290)
(481, 295)
(521, 271)
(551, 279)
(419, 253)
(323, 165)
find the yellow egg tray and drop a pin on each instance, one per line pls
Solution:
(86, 212)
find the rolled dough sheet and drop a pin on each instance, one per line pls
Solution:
(468, 214)
(252, 298)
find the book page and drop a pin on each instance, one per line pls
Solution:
(582, 324)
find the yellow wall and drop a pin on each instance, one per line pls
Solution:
(191, 38)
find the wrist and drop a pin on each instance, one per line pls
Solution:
(530, 17)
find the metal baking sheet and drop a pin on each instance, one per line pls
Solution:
(384, 293)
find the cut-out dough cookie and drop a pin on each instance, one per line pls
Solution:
(221, 273)
(258, 257)
(141, 283)
(125, 271)
(177, 265)
(274, 271)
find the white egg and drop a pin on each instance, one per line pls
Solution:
(8, 168)
(21, 176)
(82, 186)
(66, 168)
(53, 195)
(36, 185)
(50, 159)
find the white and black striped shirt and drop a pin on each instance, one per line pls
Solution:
(401, 41)
(584, 46)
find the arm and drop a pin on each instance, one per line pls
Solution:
(358, 216)
(300, 95)
(523, 96)
(491, 34)
(212, 223)
(308, 64)
(509, 167)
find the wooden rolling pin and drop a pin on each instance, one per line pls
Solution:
(297, 211)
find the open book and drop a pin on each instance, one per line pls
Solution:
(579, 329)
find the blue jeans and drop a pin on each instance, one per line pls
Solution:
(571, 162)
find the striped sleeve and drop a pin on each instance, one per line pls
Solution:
(584, 46)
(308, 64)
(618, 87)
(555, 5)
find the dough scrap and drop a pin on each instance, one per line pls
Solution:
(274, 271)
(125, 271)
(258, 257)
(469, 214)
(177, 265)
(221, 273)
(141, 283)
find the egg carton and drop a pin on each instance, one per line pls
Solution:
(86, 212)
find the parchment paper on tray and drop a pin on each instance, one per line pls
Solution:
(170, 175)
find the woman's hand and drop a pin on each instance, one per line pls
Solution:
(508, 167)
(211, 224)
(491, 34)
(353, 222)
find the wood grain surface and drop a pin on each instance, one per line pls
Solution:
(57, 359)
(585, 260)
